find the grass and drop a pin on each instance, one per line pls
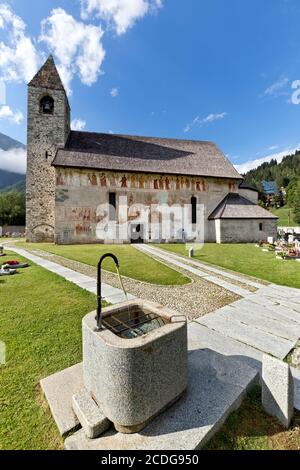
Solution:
(283, 214)
(250, 428)
(246, 259)
(133, 263)
(40, 318)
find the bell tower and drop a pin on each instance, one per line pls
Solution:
(48, 129)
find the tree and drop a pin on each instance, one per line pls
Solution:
(297, 205)
(12, 208)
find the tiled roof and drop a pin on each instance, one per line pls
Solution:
(235, 206)
(144, 154)
(48, 77)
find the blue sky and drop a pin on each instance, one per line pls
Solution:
(189, 69)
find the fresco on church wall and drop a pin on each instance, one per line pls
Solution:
(88, 220)
(80, 178)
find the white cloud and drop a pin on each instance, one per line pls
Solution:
(78, 125)
(13, 160)
(77, 46)
(273, 147)
(252, 164)
(14, 117)
(122, 13)
(278, 88)
(207, 120)
(114, 92)
(19, 59)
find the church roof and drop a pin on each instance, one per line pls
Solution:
(48, 76)
(235, 206)
(245, 185)
(144, 154)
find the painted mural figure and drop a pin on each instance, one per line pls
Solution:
(60, 180)
(103, 181)
(161, 184)
(156, 186)
(93, 180)
(123, 182)
(142, 182)
(167, 184)
(178, 184)
(133, 182)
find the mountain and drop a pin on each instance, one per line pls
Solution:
(7, 143)
(284, 173)
(10, 181)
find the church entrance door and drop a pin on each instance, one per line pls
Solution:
(137, 233)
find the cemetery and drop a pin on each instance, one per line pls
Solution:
(121, 392)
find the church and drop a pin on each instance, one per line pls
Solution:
(85, 187)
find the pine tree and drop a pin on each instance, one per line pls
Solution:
(297, 205)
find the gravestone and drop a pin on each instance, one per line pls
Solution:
(278, 390)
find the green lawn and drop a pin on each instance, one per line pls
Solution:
(40, 318)
(133, 263)
(283, 214)
(250, 428)
(246, 259)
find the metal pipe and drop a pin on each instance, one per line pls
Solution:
(99, 288)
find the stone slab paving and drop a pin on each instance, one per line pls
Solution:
(217, 386)
(248, 334)
(109, 293)
(59, 389)
(269, 310)
(201, 337)
(184, 264)
(270, 325)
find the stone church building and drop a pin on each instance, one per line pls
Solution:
(87, 187)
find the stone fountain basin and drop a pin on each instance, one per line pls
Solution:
(133, 380)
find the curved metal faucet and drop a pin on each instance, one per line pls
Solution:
(99, 289)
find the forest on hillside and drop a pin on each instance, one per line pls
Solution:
(283, 173)
(287, 176)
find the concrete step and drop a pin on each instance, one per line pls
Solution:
(217, 386)
(90, 416)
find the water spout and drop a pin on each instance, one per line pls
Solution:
(99, 286)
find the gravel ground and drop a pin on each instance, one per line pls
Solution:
(193, 300)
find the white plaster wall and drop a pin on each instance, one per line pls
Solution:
(82, 215)
(246, 230)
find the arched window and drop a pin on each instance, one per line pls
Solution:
(47, 105)
(194, 210)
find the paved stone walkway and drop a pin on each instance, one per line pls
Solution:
(265, 321)
(109, 293)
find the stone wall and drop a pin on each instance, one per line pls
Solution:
(82, 205)
(249, 194)
(245, 230)
(46, 133)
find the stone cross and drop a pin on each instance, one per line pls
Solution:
(278, 390)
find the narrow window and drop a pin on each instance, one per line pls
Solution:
(112, 206)
(194, 210)
(261, 227)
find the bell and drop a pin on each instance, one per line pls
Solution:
(47, 107)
